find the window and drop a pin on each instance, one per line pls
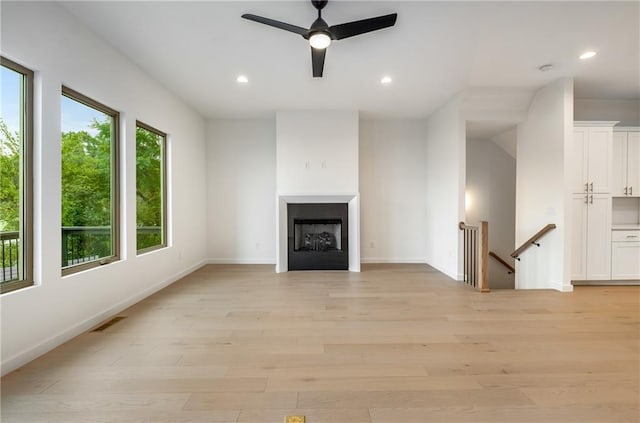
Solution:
(90, 188)
(151, 209)
(16, 144)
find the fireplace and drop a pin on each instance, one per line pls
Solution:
(318, 236)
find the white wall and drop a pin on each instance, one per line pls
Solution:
(540, 187)
(445, 167)
(241, 178)
(491, 196)
(507, 141)
(45, 38)
(626, 111)
(392, 186)
(317, 161)
(317, 152)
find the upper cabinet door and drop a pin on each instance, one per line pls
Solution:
(633, 163)
(619, 165)
(578, 160)
(599, 152)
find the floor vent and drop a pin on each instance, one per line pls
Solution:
(109, 323)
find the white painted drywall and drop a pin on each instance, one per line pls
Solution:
(540, 187)
(317, 161)
(445, 167)
(317, 152)
(626, 111)
(241, 185)
(507, 141)
(241, 179)
(45, 38)
(392, 186)
(491, 196)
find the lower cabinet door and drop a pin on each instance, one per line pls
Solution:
(625, 260)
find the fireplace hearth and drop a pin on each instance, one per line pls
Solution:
(318, 236)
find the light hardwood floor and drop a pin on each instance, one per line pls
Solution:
(395, 343)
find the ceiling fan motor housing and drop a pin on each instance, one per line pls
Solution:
(319, 4)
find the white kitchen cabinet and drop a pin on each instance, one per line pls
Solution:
(625, 255)
(590, 161)
(626, 162)
(591, 237)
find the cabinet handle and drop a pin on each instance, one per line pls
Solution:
(586, 199)
(591, 184)
(630, 190)
(591, 200)
(586, 187)
(632, 236)
(625, 191)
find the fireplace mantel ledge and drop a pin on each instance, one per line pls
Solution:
(318, 197)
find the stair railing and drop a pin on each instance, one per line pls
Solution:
(503, 262)
(476, 255)
(532, 241)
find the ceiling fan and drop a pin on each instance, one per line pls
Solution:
(320, 34)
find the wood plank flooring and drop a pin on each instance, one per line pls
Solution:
(395, 343)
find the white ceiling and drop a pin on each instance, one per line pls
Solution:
(436, 49)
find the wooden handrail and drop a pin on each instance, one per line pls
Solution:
(501, 261)
(462, 226)
(532, 241)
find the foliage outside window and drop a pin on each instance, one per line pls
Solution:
(150, 188)
(16, 143)
(90, 209)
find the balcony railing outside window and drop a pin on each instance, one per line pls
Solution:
(80, 244)
(10, 255)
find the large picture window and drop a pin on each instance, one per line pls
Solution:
(16, 143)
(151, 207)
(90, 209)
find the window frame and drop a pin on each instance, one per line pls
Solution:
(115, 182)
(163, 181)
(26, 176)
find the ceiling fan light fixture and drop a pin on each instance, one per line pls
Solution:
(320, 40)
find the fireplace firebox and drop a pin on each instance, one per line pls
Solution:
(318, 236)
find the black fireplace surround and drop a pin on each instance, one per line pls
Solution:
(318, 236)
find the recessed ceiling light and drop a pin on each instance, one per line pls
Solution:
(242, 79)
(587, 55)
(386, 80)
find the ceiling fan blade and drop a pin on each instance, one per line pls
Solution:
(317, 61)
(351, 29)
(277, 24)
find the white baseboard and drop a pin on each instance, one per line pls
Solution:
(30, 354)
(241, 261)
(391, 260)
(455, 276)
(630, 282)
